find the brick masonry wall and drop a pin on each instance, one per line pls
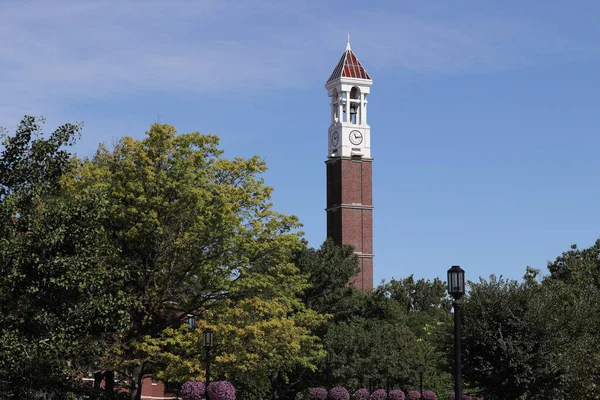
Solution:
(155, 390)
(349, 184)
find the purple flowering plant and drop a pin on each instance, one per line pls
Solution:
(396, 394)
(317, 394)
(413, 395)
(362, 394)
(221, 390)
(429, 395)
(379, 394)
(339, 393)
(193, 391)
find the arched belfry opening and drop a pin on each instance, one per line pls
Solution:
(355, 105)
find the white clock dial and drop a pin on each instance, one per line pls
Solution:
(335, 139)
(356, 138)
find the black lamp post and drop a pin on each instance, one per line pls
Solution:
(328, 361)
(209, 341)
(456, 289)
(421, 370)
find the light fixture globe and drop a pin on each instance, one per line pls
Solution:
(209, 338)
(456, 282)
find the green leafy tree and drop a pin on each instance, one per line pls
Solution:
(426, 309)
(499, 343)
(372, 352)
(578, 266)
(195, 232)
(327, 270)
(59, 291)
(531, 340)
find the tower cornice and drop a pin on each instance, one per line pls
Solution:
(357, 159)
(350, 207)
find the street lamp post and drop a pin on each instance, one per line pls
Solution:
(421, 370)
(456, 289)
(209, 341)
(328, 362)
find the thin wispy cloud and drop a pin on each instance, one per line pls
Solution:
(67, 50)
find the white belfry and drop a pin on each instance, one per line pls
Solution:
(348, 88)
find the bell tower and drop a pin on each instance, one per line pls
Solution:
(349, 164)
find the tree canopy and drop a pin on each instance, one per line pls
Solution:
(196, 235)
(59, 293)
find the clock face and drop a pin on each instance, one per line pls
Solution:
(335, 138)
(356, 137)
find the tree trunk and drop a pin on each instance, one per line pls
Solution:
(137, 378)
(274, 391)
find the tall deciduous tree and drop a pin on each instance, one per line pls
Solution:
(531, 339)
(59, 284)
(192, 229)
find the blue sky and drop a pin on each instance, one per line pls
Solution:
(484, 114)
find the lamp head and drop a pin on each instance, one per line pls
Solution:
(209, 338)
(456, 282)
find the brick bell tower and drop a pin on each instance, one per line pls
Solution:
(349, 164)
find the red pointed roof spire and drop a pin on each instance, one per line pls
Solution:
(349, 66)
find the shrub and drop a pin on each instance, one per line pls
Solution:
(429, 395)
(452, 396)
(362, 394)
(317, 394)
(396, 394)
(379, 394)
(413, 395)
(339, 393)
(193, 391)
(221, 390)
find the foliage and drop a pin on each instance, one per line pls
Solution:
(391, 346)
(192, 390)
(531, 340)
(396, 394)
(339, 393)
(317, 394)
(196, 235)
(328, 269)
(578, 266)
(362, 394)
(379, 394)
(413, 395)
(426, 309)
(429, 395)
(60, 294)
(464, 396)
(498, 338)
(221, 390)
